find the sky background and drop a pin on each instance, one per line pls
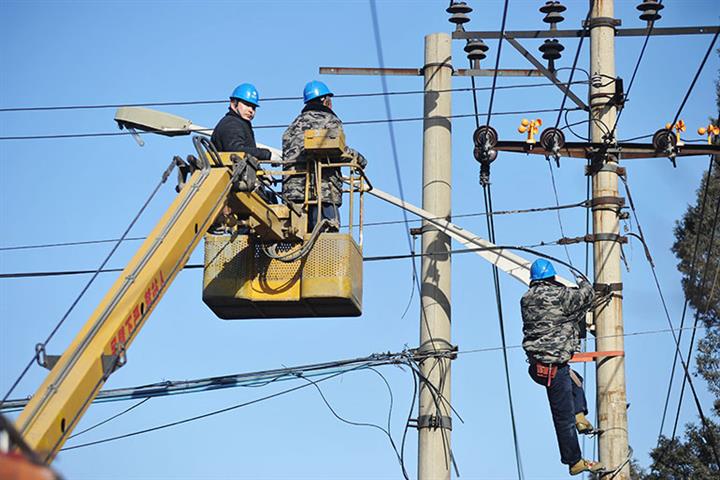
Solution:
(76, 189)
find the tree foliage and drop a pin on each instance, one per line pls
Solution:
(685, 458)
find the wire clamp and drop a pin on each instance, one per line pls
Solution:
(431, 421)
(591, 238)
(437, 347)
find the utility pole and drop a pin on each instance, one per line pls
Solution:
(611, 395)
(434, 420)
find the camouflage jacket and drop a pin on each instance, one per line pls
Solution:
(314, 116)
(551, 315)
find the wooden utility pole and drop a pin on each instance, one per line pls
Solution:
(611, 396)
(434, 421)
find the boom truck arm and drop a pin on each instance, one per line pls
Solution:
(99, 348)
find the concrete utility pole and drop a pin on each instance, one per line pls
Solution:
(434, 421)
(611, 396)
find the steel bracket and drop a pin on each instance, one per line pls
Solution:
(599, 202)
(608, 167)
(432, 421)
(608, 287)
(437, 347)
(602, 22)
(112, 363)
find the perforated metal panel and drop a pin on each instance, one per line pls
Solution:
(241, 281)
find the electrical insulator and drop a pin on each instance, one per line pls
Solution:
(711, 131)
(476, 51)
(458, 14)
(553, 13)
(552, 140)
(650, 10)
(551, 49)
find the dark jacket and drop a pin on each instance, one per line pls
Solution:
(314, 116)
(551, 316)
(235, 134)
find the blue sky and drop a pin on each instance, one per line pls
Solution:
(64, 190)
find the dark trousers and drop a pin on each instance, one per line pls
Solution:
(328, 211)
(566, 399)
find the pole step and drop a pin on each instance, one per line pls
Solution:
(582, 357)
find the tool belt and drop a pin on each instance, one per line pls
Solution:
(548, 371)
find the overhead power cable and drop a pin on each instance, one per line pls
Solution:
(262, 378)
(693, 261)
(246, 379)
(283, 126)
(194, 266)
(199, 417)
(96, 272)
(487, 195)
(575, 61)
(695, 78)
(683, 361)
(366, 224)
(651, 26)
(270, 99)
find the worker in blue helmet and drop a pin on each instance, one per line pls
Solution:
(316, 114)
(552, 316)
(234, 132)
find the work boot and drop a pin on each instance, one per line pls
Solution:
(583, 425)
(585, 466)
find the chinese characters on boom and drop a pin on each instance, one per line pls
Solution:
(137, 314)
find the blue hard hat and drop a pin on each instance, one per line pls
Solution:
(540, 269)
(315, 89)
(247, 93)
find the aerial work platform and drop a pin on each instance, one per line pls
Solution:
(240, 281)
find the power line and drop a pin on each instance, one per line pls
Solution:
(487, 195)
(96, 272)
(703, 203)
(651, 26)
(575, 61)
(497, 66)
(366, 224)
(662, 298)
(199, 417)
(283, 126)
(248, 379)
(270, 99)
(695, 78)
(376, 258)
